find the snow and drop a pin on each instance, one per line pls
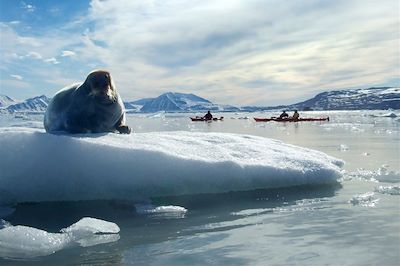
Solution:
(390, 91)
(5, 101)
(27, 242)
(37, 166)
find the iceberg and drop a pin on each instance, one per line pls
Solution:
(37, 166)
(28, 242)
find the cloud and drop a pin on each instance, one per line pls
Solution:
(17, 77)
(67, 53)
(235, 52)
(28, 7)
(230, 49)
(52, 61)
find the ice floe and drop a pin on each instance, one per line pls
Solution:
(149, 208)
(343, 147)
(27, 242)
(367, 199)
(380, 175)
(168, 211)
(389, 115)
(391, 190)
(36, 166)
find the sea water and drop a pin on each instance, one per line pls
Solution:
(354, 222)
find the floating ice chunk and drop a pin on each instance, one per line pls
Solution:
(391, 190)
(389, 115)
(28, 242)
(343, 147)
(92, 225)
(169, 211)
(380, 175)
(169, 208)
(36, 166)
(366, 200)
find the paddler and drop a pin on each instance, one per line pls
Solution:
(283, 115)
(208, 116)
(295, 115)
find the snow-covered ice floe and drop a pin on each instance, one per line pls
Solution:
(37, 166)
(27, 242)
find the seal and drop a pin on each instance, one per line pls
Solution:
(91, 107)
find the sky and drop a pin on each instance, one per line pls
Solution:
(239, 52)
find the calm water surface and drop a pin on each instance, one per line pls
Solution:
(321, 225)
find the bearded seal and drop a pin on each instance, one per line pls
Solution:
(92, 107)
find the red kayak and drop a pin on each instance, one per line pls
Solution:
(290, 119)
(200, 118)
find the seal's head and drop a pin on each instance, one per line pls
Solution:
(101, 86)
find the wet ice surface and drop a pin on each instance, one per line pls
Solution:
(313, 225)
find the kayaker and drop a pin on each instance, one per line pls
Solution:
(295, 115)
(283, 115)
(208, 116)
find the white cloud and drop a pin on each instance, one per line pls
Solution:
(17, 77)
(241, 48)
(236, 52)
(67, 53)
(51, 60)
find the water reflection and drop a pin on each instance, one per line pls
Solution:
(206, 213)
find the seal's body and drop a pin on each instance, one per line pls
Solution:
(92, 107)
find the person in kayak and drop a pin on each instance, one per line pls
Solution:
(295, 115)
(208, 116)
(283, 115)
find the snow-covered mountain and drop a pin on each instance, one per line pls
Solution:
(36, 104)
(181, 102)
(5, 101)
(371, 98)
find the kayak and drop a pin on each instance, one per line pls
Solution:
(199, 118)
(290, 119)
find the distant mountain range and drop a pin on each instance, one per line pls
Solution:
(177, 102)
(373, 98)
(360, 99)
